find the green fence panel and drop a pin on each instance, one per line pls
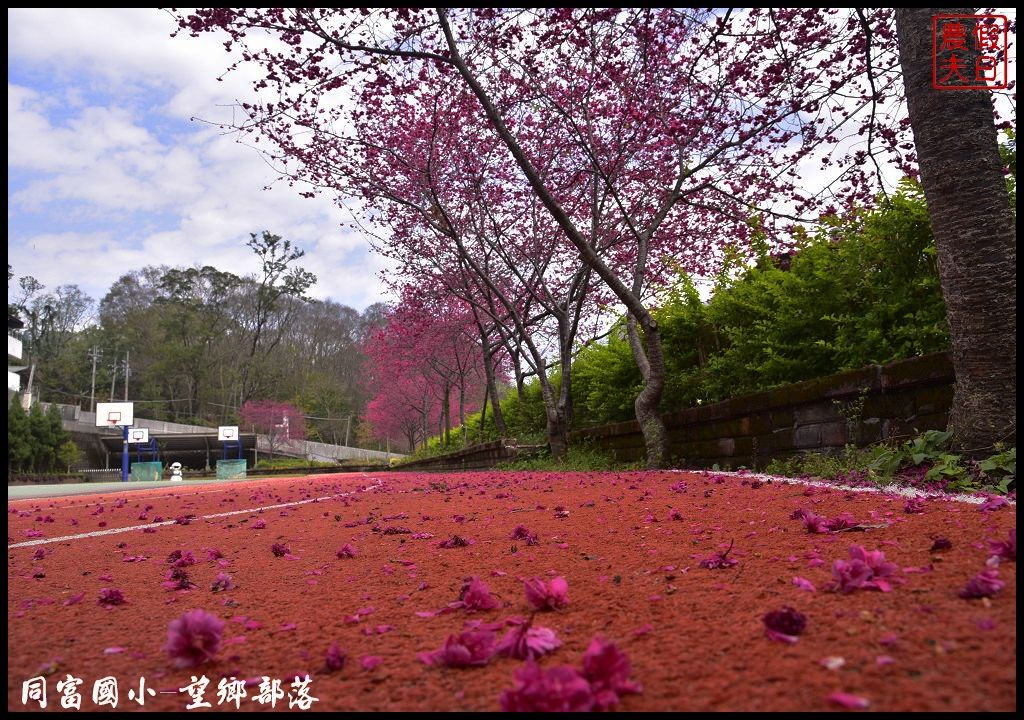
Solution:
(146, 471)
(230, 469)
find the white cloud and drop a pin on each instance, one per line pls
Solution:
(103, 162)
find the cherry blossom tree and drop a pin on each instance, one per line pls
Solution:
(425, 364)
(282, 423)
(692, 126)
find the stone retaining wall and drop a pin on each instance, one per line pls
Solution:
(477, 457)
(860, 407)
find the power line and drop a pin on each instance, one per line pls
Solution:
(307, 417)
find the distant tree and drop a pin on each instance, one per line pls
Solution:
(277, 281)
(19, 438)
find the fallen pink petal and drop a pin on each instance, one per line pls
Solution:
(194, 638)
(557, 689)
(464, 650)
(547, 595)
(608, 670)
(984, 584)
(846, 700)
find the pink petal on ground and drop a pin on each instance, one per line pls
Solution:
(369, 662)
(848, 701)
(643, 630)
(334, 658)
(804, 584)
(994, 502)
(557, 689)
(194, 638)
(883, 660)
(113, 650)
(607, 669)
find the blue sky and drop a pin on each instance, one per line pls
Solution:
(107, 172)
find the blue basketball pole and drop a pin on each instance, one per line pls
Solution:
(124, 456)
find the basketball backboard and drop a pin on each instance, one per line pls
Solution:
(114, 414)
(138, 435)
(227, 432)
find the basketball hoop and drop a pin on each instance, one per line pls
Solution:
(113, 418)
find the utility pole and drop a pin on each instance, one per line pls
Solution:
(113, 379)
(127, 372)
(348, 426)
(95, 355)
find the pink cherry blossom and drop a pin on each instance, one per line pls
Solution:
(914, 506)
(994, 502)
(334, 658)
(547, 596)
(865, 569)
(784, 624)
(194, 638)
(521, 533)
(465, 650)
(222, 582)
(607, 669)
(1005, 549)
(110, 597)
(558, 689)
(804, 584)
(475, 596)
(526, 642)
(984, 584)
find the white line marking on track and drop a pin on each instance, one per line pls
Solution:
(115, 531)
(903, 490)
(221, 488)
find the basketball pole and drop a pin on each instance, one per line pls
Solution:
(124, 455)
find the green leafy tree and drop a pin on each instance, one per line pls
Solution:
(19, 436)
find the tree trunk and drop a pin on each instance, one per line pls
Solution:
(558, 436)
(651, 362)
(462, 414)
(556, 427)
(483, 415)
(447, 413)
(492, 392)
(961, 171)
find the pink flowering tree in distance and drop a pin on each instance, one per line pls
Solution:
(425, 363)
(280, 422)
(651, 138)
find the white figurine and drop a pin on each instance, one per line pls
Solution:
(176, 471)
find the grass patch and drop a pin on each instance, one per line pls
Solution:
(924, 461)
(291, 464)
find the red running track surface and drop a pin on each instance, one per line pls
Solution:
(694, 636)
